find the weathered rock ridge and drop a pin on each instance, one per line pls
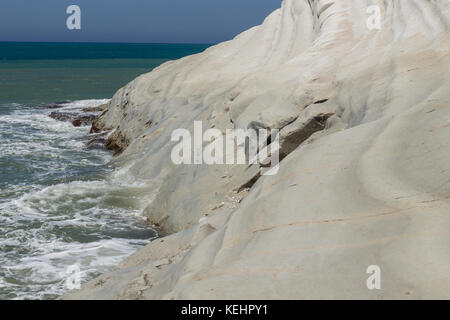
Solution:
(364, 119)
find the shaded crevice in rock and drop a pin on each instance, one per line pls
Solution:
(249, 184)
(148, 124)
(117, 142)
(98, 141)
(293, 138)
(321, 101)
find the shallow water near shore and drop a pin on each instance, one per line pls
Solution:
(61, 205)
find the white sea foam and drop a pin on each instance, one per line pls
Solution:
(49, 219)
(80, 104)
(99, 235)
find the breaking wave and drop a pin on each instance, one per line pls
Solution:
(61, 204)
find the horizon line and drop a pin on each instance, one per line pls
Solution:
(107, 42)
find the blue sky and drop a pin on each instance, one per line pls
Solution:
(163, 21)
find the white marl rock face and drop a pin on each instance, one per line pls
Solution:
(365, 130)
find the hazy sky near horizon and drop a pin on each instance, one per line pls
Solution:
(163, 21)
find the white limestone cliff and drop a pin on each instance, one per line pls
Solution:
(365, 179)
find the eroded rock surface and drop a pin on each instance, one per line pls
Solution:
(365, 176)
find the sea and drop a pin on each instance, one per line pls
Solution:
(67, 214)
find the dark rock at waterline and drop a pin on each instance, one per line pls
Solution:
(62, 116)
(84, 120)
(117, 142)
(77, 119)
(96, 126)
(97, 141)
(99, 108)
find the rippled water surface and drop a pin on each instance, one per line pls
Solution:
(61, 204)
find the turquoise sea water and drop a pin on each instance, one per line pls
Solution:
(46, 72)
(62, 205)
